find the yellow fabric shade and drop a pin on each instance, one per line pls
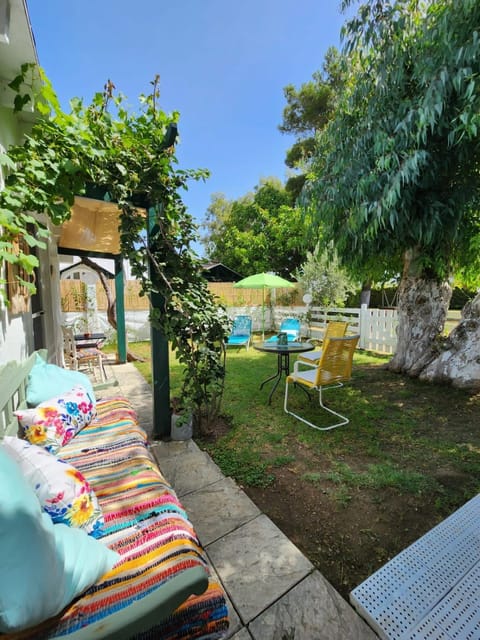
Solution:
(93, 227)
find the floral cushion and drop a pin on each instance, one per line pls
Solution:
(62, 490)
(54, 422)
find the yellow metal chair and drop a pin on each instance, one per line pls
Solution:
(335, 329)
(334, 368)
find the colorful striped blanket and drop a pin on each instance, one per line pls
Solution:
(147, 525)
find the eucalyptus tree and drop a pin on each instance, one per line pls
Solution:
(308, 110)
(130, 154)
(398, 169)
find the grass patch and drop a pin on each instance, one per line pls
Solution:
(408, 458)
(282, 461)
(383, 475)
(244, 467)
(393, 431)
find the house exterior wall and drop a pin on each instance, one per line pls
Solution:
(15, 330)
(80, 272)
(17, 340)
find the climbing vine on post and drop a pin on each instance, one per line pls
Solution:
(128, 154)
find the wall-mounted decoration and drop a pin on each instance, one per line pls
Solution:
(17, 292)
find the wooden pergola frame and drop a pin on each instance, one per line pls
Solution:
(93, 231)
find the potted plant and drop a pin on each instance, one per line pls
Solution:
(181, 421)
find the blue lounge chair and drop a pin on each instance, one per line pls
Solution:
(290, 326)
(241, 332)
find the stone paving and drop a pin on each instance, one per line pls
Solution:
(273, 590)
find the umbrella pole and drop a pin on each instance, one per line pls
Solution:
(263, 314)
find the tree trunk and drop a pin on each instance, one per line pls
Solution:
(458, 362)
(366, 292)
(111, 308)
(422, 310)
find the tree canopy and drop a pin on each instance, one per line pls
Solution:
(397, 168)
(261, 231)
(307, 112)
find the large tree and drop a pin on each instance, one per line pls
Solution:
(398, 169)
(308, 110)
(261, 231)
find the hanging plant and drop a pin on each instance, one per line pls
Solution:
(130, 154)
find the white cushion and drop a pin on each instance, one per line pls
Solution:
(63, 492)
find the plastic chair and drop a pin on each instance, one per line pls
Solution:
(335, 329)
(290, 326)
(334, 368)
(77, 358)
(241, 334)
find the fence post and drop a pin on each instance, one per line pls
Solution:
(363, 326)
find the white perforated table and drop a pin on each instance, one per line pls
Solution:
(431, 590)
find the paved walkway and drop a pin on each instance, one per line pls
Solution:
(274, 592)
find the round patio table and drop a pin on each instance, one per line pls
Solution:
(283, 352)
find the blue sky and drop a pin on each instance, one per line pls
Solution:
(222, 64)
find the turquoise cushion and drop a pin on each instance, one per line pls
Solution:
(47, 380)
(241, 339)
(43, 565)
(242, 325)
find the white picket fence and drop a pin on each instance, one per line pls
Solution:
(377, 327)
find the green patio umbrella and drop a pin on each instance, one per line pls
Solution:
(263, 281)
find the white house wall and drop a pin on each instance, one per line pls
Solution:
(53, 317)
(15, 330)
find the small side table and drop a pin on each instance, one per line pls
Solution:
(89, 340)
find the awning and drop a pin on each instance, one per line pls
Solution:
(93, 228)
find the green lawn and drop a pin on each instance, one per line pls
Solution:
(352, 497)
(388, 413)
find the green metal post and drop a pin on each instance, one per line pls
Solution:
(120, 309)
(160, 365)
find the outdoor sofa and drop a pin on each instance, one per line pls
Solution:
(119, 559)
